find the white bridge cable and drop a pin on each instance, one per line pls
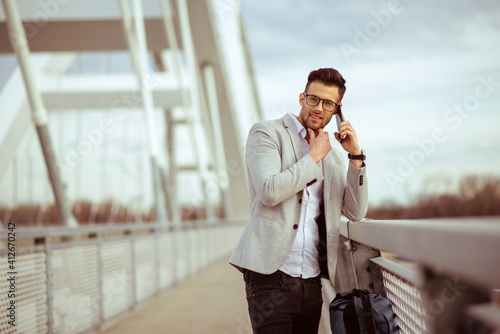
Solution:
(197, 90)
(191, 102)
(136, 41)
(78, 169)
(172, 41)
(222, 178)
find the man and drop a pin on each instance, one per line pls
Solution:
(298, 191)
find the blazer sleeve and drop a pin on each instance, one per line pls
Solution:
(264, 161)
(355, 204)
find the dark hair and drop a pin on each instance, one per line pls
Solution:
(329, 77)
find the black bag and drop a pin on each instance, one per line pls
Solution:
(359, 311)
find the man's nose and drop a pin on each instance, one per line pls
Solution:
(319, 106)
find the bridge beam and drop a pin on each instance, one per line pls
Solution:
(111, 91)
(102, 34)
(209, 51)
(39, 115)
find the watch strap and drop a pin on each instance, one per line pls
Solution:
(361, 156)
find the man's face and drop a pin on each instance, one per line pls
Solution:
(315, 117)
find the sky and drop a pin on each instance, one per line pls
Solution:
(423, 90)
(423, 82)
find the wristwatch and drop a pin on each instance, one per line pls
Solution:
(361, 156)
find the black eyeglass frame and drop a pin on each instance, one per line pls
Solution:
(337, 105)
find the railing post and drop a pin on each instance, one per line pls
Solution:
(101, 285)
(344, 276)
(187, 255)
(134, 270)
(368, 275)
(175, 265)
(157, 259)
(48, 263)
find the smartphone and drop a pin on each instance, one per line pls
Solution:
(340, 119)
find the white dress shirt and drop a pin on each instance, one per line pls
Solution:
(302, 261)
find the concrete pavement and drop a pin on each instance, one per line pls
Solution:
(213, 302)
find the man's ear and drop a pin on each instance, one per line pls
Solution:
(301, 99)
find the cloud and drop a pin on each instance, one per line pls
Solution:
(289, 31)
(418, 63)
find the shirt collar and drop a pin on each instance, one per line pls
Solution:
(300, 128)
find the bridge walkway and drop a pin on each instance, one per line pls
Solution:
(213, 302)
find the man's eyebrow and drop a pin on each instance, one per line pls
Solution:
(322, 98)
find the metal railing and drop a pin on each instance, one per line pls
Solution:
(71, 280)
(447, 283)
(77, 280)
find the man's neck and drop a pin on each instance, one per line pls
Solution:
(307, 134)
(307, 131)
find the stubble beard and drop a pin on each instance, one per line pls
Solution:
(307, 123)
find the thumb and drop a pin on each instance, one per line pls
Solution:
(312, 135)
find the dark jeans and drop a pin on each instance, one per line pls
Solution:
(279, 303)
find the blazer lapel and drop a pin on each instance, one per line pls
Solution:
(291, 128)
(328, 175)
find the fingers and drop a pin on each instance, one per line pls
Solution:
(319, 134)
(312, 135)
(345, 124)
(346, 129)
(319, 144)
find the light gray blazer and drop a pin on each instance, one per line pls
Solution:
(278, 171)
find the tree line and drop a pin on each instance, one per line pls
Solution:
(475, 196)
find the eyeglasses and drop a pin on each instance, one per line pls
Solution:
(328, 105)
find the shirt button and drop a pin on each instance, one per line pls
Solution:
(295, 226)
(300, 201)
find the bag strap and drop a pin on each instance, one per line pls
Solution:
(367, 318)
(350, 318)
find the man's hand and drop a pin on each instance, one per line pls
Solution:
(350, 141)
(319, 145)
